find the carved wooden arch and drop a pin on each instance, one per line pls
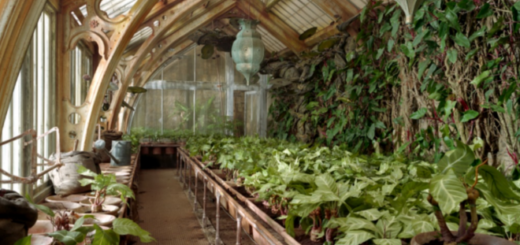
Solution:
(100, 39)
(95, 7)
(112, 37)
(178, 31)
(178, 12)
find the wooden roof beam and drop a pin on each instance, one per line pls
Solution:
(179, 30)
(271, 3)
(274, 25)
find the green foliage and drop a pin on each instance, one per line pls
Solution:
(104, 184)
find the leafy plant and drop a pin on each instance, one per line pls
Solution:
(459, 184)
(103, 185)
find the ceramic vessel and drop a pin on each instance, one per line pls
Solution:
(109, 200)
(100, 219)
(70, 198)
(106, 209)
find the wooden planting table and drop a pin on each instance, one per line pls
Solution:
(262, 228)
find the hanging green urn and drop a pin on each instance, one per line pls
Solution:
(248, 49)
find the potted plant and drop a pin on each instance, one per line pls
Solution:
(459, 185)
(103, 185)
(72, 230)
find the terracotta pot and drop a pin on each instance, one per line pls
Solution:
(169, 150)
(157, 151)
(109, 136)
(478, 239)
(145, 150)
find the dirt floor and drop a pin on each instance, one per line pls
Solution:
(164, 209)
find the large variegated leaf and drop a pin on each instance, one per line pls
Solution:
(355, 238)
(370, 214)
(422, 226)
(352, 224)
(68, 237)
(459, 160)
(448, 191)
(388, 226)
(327, 182)
(496, 182)
(128, 227)
(407, 232)
(387, 241)
(503, 207)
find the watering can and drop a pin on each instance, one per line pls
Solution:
(120, 153)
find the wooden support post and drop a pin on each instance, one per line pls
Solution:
(217, 218)
(239, 228)
(196, 190)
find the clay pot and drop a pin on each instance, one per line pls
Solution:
(478, 239)
(157, 151)
(106, 209)
(170, 150)
(145, 150)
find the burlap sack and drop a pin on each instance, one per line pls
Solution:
(66, 178)
(16, 217)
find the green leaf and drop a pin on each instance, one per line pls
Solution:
(497, 183)
(355, 238)
(390, 45)
(467, 5)
(207, 51)
(105, 237)
(453, 20)
(422, 67)
(371, 131)
(79, 222)
(308, 33)
(42, 208)
(387, 241)
(469, 115)
(470, 54)
(419, 114)
(24, 241)
(407, 50)
(485, 11)
(370, 214)
(452, 55)
(483, 76)
(124, 226)
(479, 33)
(448, 191)
(458, 160)
(380, 53)
(462, 40)
(422, 226)
(68, 237)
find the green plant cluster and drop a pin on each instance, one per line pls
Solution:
(451, 74)
(153, 135)
(344, 198)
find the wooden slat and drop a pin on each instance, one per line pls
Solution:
(274, 25)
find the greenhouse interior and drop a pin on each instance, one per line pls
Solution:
(270, 122)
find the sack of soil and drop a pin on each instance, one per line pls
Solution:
(16, 217)
(66, 178)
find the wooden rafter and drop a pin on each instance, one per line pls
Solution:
(177, 31)
(123, 126)
(273, 24)
(107, 66)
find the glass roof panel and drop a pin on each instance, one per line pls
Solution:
(113, 8)
(271, 43)
(302, 15)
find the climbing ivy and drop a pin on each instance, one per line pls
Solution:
(451, 74)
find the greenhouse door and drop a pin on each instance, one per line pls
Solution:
(251, 113)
